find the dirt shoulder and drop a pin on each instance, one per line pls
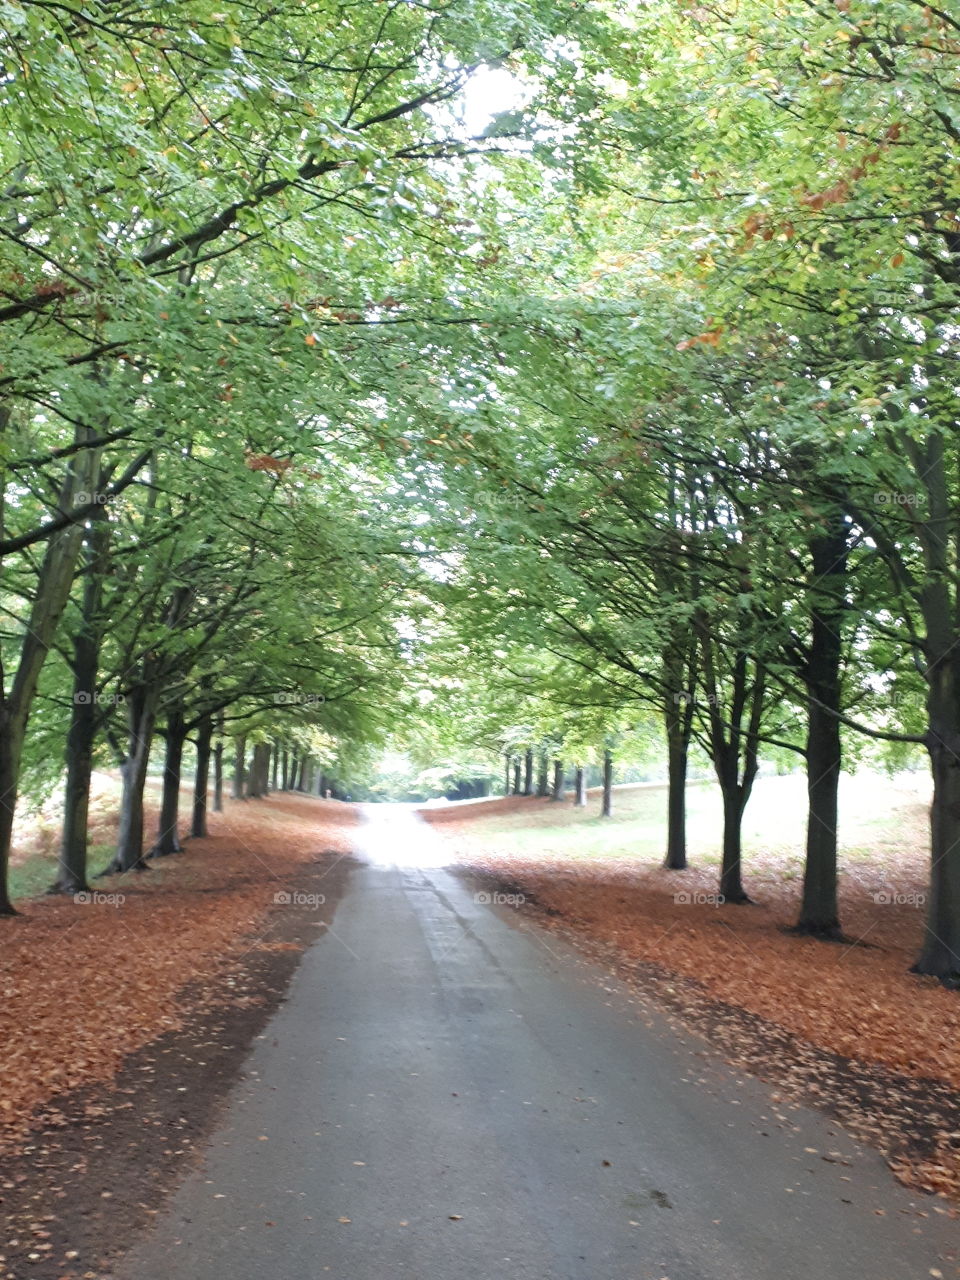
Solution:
(845, 1028)
(125, 1023)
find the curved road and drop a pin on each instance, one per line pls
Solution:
(450, 1094)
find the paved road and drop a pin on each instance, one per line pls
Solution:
(450, 1094)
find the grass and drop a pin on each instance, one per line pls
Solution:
(879, 816)
(36, 873)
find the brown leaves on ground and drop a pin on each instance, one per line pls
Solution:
(85, 984)
(856, 1001)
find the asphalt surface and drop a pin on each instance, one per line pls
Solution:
(449, 1093)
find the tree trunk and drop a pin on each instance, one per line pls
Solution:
(677, 748)
(239, 767)
(218, 770)
(275, 767)
(606, 803)
(302, 772)
(201, 778)
(11, 748)
(54, 580)
(543, 775)
(940, 953)
(506, 775)
(731, 882)
(133, 774)
(168, 836)
(516, 777)
(251, 782)
(81, 736)
(285, 771)
(819, 910)
(528, 773)
(580, 788)
(558, 780)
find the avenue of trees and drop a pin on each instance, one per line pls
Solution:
(328, 414)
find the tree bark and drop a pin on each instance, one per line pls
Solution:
(81, 736)
(528, 772)
(543, 775)
(675, 858)
(54, 581)
(731, 882)
(275, 767)
(557, 790)
(218, 770)
(679, 726)
(285, 771)
(239, 767)
(940, 603)
(580, 788)
(819, 910)
(168, 836)
(516, 777)
(201, 778)
(133, 774)
(606, 803)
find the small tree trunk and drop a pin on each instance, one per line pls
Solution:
(677, 744)
(239, 767)
(606, 804)
(580, 788)
(201, 778)
(528, 773)
(558, 780)
(506, 774)
(218, 771)
(11, 748)
(81, 736)
(543, 774)
(940, 954)
(819, 909)
(731, 882)
(302, 772)
(275, 767)
(168, 837)
(516, 777)
(133, 775)
(251, 783)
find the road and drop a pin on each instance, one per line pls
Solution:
(449, 1093)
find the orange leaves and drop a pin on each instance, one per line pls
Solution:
(266, 462)
(311, 339)
(181, 923)
(839, 193)
(710, 338)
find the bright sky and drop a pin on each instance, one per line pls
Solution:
(490, 91)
